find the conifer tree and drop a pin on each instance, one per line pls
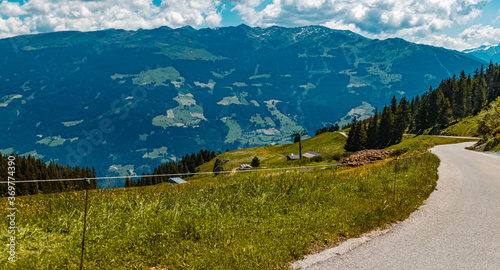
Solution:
(217, 166)
(386, 125)
(255, 162)
(360, 139)
(351, 143)
(394, 105)
(445, 112)
(372, 132)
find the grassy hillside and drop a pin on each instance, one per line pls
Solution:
(419, 143)
(259, 220)
(328, 144)
(256, 220)
(465, 127)
(489, 127)
(485, 124)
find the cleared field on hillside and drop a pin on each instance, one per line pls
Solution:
(330, 145)
(248, 221)
(251, 220)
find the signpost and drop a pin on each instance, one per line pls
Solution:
(298, 134)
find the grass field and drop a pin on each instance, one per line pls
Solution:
(466, 127)
(248, 221)
(330, 145)
(251, 220)
(419, 143)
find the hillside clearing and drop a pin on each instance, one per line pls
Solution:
(247, 221)
(330, 145)
(256, 220)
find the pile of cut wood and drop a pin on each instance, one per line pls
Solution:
(367, 155)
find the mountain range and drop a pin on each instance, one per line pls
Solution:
(486, 53)
(126, 101)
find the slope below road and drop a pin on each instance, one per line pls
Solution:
(456, 228)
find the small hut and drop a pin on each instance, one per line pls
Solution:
(176, 180)
(245, 167)
(311, 154)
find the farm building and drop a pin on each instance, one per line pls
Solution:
(176, 180)
(311, 154)
(245, 167)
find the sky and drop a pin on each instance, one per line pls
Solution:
(453, 24)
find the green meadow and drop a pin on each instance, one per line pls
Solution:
(251, 220)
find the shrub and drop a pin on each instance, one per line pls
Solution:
(489, 120)
(317, 159)
(398, 152)
(255, 162)
(340, 156)
(496, 131)
(217, 166)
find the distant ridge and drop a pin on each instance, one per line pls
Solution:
(126, 101)
(486, 53)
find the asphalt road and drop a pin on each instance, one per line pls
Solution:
(458, 227)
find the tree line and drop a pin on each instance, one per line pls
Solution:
(186, 164)
(454, 99)
(331, 128)
(380, 131)
(30, 168)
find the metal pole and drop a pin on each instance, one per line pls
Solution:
(300, 147)
(395, 176)
(87, 183)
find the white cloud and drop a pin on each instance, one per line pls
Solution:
(341, 25)
(419, 21)
(88, 15)
(487, 35)
(11, 9)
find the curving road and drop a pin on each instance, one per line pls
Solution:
(458, 227)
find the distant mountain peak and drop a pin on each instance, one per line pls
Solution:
(168, 92)
(486, 53)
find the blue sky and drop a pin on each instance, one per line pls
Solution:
(454, 24)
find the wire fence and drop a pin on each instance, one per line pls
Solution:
(87, 181)
(207, 173)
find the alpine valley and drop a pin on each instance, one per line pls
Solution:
(126, 101)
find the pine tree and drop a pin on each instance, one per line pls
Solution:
(479, 94)
(405, 113)
(217, 166)
(434, 101)
(445, 112)
(394, 105)
(360, 139)
(372, 132)
(420, 118)
(458, 97)
(255, 162)
(30, 168)
(351, 143)
(386, 125)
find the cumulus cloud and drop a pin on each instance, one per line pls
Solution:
(422, 20)
(485, 34)
(37, 16)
